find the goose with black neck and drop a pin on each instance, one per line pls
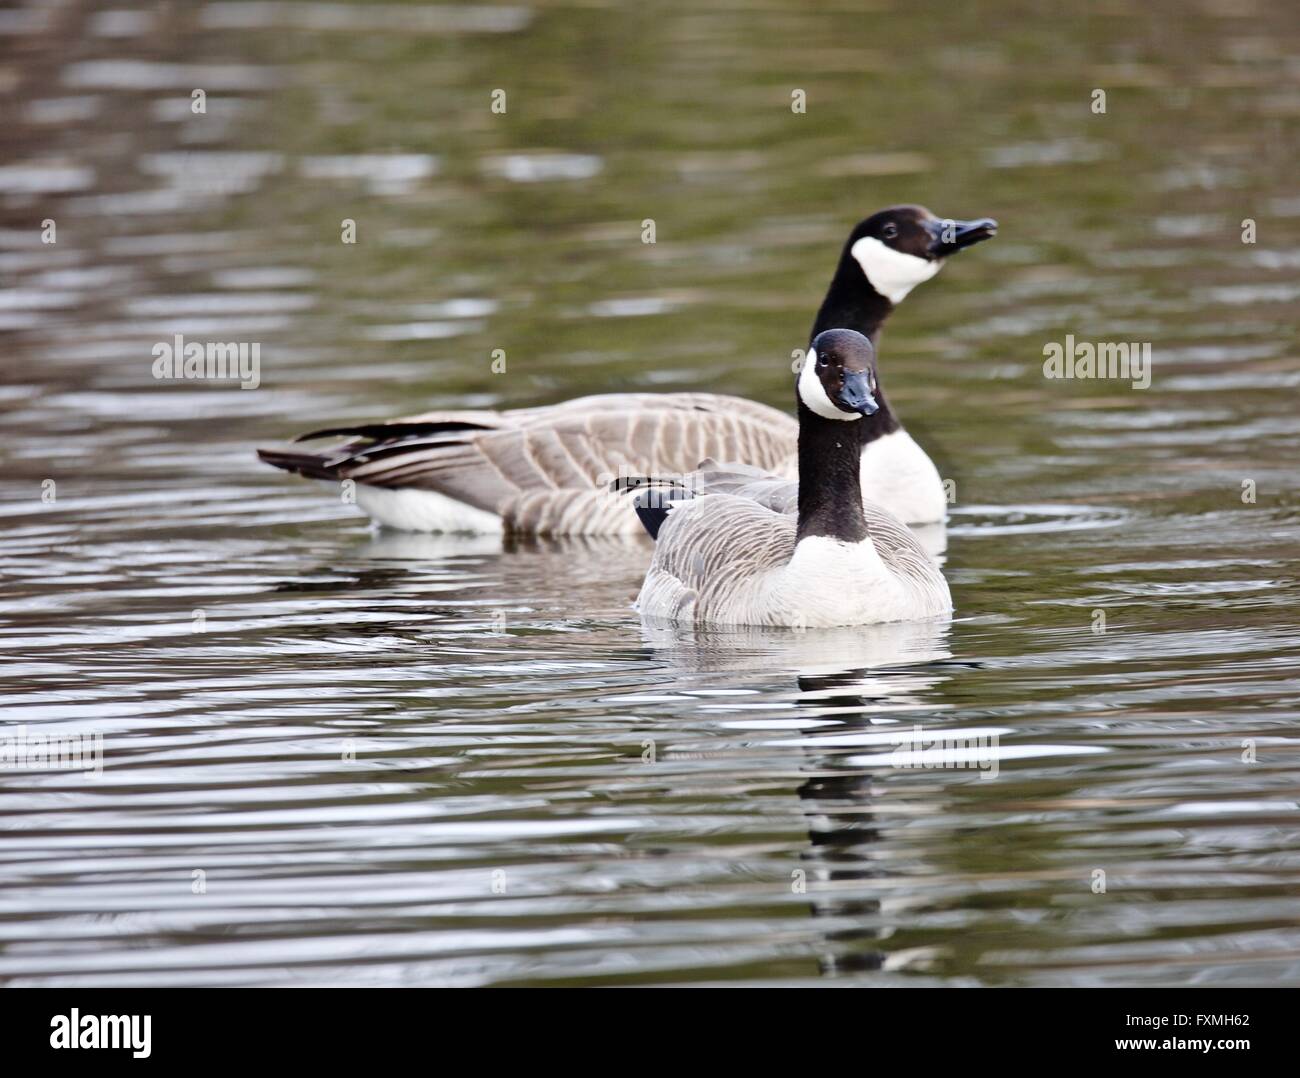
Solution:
(895, 250)
(724, 559)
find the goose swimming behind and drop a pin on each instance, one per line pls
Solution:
(545, 470)
(727, 559)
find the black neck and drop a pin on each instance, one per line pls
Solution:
(830, 491)
(851, 303)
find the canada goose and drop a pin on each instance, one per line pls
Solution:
(545, 470)
(725, 559)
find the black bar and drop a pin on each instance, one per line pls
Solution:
(996, 1027)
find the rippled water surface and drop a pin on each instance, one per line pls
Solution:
(333, 756)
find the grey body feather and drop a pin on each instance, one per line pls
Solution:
(725, 558)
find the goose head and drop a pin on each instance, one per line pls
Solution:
(898, 248)
(838, 377)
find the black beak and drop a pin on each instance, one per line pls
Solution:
(947, 236)
(855, 393)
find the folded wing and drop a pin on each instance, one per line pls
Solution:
(547, 468)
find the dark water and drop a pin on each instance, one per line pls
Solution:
(392, 759)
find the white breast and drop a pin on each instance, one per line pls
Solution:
(898, 475)
(830, 582)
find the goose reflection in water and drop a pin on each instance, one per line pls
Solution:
(862, 688)
(855, 694)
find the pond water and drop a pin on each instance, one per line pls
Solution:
(333, 756)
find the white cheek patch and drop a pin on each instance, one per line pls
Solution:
(813, 393)
(892, 273)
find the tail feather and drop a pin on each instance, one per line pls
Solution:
(370, 442)
(626, 483)
(385, 432)
(311, 465)
(657, 495)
